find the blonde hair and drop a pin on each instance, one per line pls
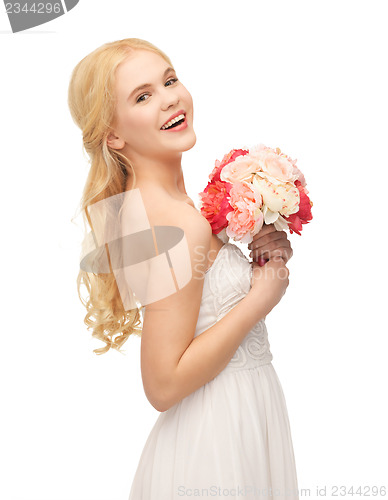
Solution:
(91, 99)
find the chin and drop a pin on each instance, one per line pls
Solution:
(191, 141)
(187, 144)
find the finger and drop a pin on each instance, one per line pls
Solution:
(278, 236)
(271, 246)
(277, 258)
(264, 257)
(264, 239)
(265, 229)
(285, 252)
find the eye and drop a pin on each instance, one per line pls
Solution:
(173, 80)
(139, 99)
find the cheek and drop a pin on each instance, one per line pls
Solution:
(143, 119)
(187, 97)
(137, 123)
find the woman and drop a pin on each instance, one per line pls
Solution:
(205, 357)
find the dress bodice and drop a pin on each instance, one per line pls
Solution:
(227, 282)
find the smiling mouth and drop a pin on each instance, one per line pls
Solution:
(176, 124)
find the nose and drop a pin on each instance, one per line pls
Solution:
(169, 98)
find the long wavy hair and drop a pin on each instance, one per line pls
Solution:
(91, 99)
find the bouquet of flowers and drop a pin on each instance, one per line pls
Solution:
(249, 188)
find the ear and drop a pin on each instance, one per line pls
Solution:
(114, 141)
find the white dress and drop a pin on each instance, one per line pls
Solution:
(231, 437)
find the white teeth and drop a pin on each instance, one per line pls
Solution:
(168, 124)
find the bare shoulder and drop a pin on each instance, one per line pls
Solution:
(162, 204)
(162, 209)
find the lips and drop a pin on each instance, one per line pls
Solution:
(180, 112)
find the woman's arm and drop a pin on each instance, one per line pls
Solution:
(210, 352)
(174, 363)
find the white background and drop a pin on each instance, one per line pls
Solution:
(306, 76)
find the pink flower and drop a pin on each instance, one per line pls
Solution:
(230, 157)
(273, 163)
(241, 169)
(300, 176)
(296, 172)
(246, 218)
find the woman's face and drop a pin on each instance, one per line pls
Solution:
(140, 113)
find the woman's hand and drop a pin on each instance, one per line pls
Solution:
(270, 281)
(268, 243)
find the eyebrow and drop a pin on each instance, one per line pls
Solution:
(146, 85)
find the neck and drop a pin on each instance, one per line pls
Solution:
(167, 174)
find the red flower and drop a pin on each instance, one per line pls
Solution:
(303, 216)
(215, 204)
